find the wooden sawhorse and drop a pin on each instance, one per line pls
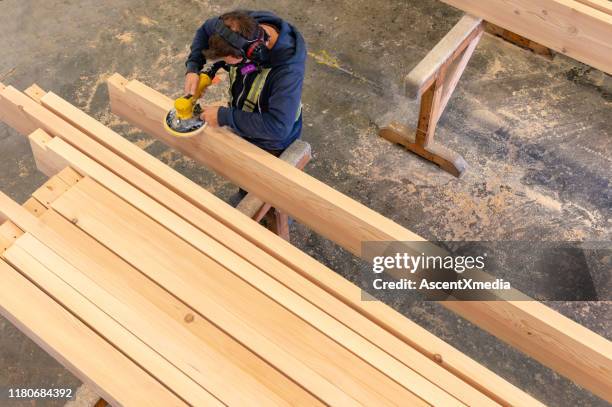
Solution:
(297, 154)
(433, 81)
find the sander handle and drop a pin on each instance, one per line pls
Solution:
(184, 106)
(206, 78)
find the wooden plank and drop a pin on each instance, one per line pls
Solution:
(14, 114)
(214, 367)
(69, 176)
(604, 6)
(423, 75)
(24, 256)
(414, 335)
(326, 302)
(519, 40)
(567, 26)
(72, 343)
(530, 325)
(9, 233)
(276, 182)
(455, 70)
(35, 92)
(34, 206)
(44, 162)
(429, 112)
(51, 190)
(248, 304)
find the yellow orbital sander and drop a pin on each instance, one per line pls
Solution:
(184, 119)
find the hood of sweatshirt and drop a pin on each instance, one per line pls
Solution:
(290, 47)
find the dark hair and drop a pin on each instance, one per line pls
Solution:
(238, 21)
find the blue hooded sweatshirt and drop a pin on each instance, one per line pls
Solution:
(273, 124)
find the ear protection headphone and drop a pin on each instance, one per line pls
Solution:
(253, 49)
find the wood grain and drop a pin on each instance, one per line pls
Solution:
(168, 254)
(285, 275)
(140, 306)
(572, 28)
(53, 274)
(72, 343)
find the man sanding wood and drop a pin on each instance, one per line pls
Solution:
(265, 57)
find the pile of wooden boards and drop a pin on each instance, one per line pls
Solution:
(581, 29)
(156, 292)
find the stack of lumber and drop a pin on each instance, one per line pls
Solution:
(543, 334)
(581, 29)
(155, 292)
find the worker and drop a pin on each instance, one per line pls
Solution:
(265, 57)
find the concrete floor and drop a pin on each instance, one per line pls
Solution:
(535, 133)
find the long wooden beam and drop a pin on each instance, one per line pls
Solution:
(349, 223)
(72, 343)
(320, 207)
(578, 29)
(552, 339)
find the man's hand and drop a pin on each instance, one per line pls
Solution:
(209, 115)
(192, 80)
